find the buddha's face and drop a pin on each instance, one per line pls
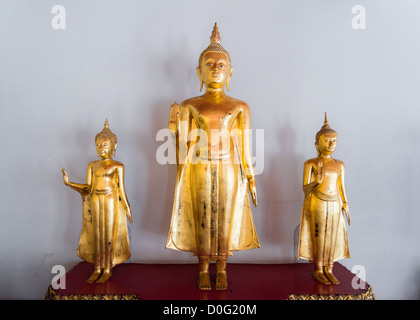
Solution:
(215, 71)
(326, 143)
(105, 148)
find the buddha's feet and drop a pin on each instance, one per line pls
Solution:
(204, 281)
(319, 276)
(105, 276)
(331, 277)
(95, 275)
(221, 280)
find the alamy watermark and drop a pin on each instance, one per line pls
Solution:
(59, 280)
(196, 147)
(359, 280)
(359, 20)
(58, 22)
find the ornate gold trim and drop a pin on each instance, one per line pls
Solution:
(366, 295)
(52, 295)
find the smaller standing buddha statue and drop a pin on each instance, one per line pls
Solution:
(104, 238)
(323, 234)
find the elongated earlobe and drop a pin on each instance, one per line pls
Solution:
(228, 79)
(201, 79)
(317, 149)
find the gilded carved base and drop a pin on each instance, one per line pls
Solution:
(52, 295)
(367, 295)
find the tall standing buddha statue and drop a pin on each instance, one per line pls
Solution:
(211, 214)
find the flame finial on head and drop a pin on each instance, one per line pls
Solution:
(324, 129)
(326, 125)
(215, 36)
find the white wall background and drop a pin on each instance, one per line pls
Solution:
(128, 61)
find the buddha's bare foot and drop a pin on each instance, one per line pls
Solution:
(95, 275)
(319, 275)
(328, 273)
(204, 281)
(105, 276)
(221, 280)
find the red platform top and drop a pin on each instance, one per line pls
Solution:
(179, 282)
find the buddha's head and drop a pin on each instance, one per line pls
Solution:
(326, 139)
(214, 65)
(106, 142)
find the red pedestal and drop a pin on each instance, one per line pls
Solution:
(179, 282)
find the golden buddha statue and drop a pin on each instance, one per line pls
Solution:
(211, 214)
(323, 234)
(104, 237)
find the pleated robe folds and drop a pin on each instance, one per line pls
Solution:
(323, 235)
(184, 229)
(120, 243)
